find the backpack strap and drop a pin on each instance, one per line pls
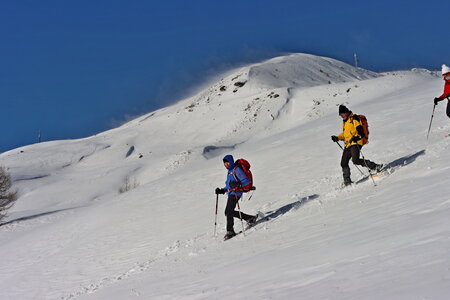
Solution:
(235, 176)
(240, 188)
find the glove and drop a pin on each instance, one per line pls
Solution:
(234, 184)
(334, 138)
(355, 138)
(220, 191)
(436, 100)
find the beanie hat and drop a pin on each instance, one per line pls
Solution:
(445, 69)
(343, 109)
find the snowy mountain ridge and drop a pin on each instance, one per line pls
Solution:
(72, 235)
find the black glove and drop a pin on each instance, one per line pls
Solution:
(436, 100)
(220, 191)
(355, 138)
(234, 184)
(334, 138)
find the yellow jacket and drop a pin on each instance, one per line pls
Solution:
(349, 131)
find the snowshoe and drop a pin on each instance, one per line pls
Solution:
(379, 168)
(347, 184)
(229, 235)
(252, 221)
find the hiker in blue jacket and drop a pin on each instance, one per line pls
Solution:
(236, 178)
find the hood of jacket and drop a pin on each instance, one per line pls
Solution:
(230, 159)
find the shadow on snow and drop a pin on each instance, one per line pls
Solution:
(406, 160)
(35, 216)
(287, 208)
(398, 163)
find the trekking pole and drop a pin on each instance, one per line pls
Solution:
(365, 162)
(354, 165)
(253, 188)
(240, 217)
(432, 115)
(215, 221)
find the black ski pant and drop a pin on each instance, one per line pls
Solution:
(231, 213)
(448, 108)
(352, 153)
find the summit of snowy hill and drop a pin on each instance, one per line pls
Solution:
(130, 213)
(293, 71)
(304, 70)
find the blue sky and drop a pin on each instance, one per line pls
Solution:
(71, 69)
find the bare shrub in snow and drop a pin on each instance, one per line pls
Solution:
(128, 184)
(7, 197)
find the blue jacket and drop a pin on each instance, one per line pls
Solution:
(235, 175)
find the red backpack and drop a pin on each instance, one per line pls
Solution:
(365, 125)
(245, 166)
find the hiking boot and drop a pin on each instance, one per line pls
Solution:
(378, 168)
(252, 220)
(229, 235)
(347, 183)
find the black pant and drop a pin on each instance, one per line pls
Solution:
(353, 154)
(448, 108)
(231, 213)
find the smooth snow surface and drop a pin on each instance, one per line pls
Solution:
(72, 235)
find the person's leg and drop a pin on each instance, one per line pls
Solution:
(448, 108)
(244, 216)
(346, 156)
(230, 212)
(355, 151)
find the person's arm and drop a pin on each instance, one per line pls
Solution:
(446, 92)
(359, 130)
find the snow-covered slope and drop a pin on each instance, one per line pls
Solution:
(73, 235)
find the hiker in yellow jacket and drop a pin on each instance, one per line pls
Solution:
(354, 138)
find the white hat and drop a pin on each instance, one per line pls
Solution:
(445, 69)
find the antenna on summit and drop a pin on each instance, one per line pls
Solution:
(355, 56)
